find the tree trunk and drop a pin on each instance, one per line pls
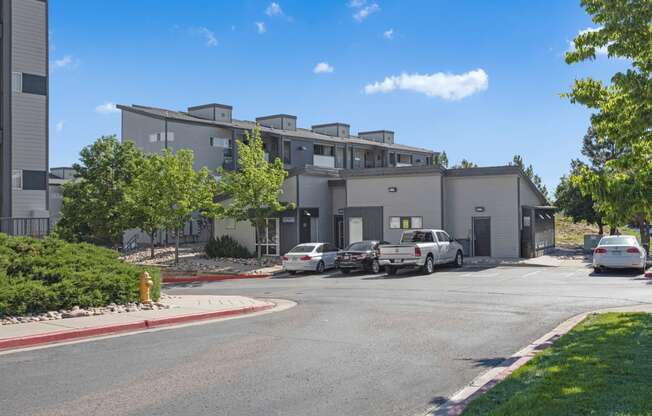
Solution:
(151, 243)
(644, 229)
(176, 248)
(612, 230)
(600, 228)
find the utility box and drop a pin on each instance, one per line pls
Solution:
(591, 242)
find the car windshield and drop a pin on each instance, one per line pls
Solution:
(360, 246)
(416, 237)
(303, 249)
(618, 241)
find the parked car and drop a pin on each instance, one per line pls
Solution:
(422, 249)
(315, 257)
(360, 255)
(619, 252)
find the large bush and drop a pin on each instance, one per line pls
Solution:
(50, 274)
(226, 246)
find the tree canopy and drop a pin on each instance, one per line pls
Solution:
(95, 206)
(253, 190)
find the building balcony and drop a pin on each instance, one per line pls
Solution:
(323, 161)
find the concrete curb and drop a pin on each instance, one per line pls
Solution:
(212, 278)
(70, 334)
(486, 381)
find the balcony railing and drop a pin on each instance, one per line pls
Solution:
(32, 227)
(323, 161)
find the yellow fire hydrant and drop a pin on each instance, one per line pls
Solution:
(146, 284)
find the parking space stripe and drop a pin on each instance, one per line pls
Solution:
(531, 273)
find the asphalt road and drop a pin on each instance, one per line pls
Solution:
(354, 345)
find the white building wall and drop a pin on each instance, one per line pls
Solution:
(243, 232)
(415, 196)
(499, 197)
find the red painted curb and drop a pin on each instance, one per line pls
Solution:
(65, 335)
(213, 278)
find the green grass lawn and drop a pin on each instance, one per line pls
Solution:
(602, 367)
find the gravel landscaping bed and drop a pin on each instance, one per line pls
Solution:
(77, 312)
(193, 259)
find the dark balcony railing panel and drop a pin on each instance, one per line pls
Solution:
(32, 227)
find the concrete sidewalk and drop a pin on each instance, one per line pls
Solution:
(182, 309)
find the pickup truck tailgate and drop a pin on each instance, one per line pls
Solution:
(398, 251)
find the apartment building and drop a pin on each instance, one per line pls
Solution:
(24, 117)
(347, 187)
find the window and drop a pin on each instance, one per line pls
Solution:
(220, 142)
(269, 240)
(17, 82)
(303, 248)
(160, 137)
(406, 159)
(34, 180)
(287, 152)
(417, 237)
(443, 237)
(17, 179)
(323, 150)
(405, 223)
(35, 84)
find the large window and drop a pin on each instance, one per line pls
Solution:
(405, 223)
(323, 150)
(269, 240)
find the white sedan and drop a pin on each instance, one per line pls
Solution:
(619, 252)
(315, 257)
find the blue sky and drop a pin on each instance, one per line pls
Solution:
(482, 79)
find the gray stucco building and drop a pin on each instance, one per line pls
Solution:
(349, 187)
(24, 117)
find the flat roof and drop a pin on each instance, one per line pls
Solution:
(211, 105)
(249, 125)
(276, 116)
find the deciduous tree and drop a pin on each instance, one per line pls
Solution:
(254, 189)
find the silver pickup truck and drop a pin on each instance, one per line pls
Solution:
(422, 249)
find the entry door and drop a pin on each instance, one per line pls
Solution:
(304, 229)
(355, 229)
(339, 231)
(482, 236)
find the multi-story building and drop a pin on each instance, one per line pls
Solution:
(347, 187)
(24, 117)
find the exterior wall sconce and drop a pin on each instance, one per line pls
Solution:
(479, 209)
(392, 189)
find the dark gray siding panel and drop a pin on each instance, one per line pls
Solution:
(302, 153)
(29, 37)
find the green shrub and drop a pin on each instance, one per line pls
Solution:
(226, 246)
(50, 274)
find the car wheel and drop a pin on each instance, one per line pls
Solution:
(459, 259)
(320, 267)
(345, 271)
(391, 271)
(429, 266)
(292, 272)
(375, 267)
(597, 270)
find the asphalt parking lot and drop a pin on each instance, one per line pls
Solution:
(357, 344)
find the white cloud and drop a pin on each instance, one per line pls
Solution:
(208, 35)
(107, 108)
(59, 125)
(364, 12)
(274, 9)
(599, 51)
(388, 34)
(357, 3)
(442, 85)
(66, 62)
(261, 28)
(323, 68)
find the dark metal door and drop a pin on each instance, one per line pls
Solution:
(339, 231)
(481, 236)
(304, 229)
